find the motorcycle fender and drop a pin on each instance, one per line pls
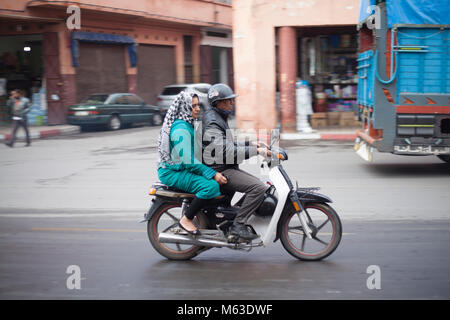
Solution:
(305, 198)
(156, 203)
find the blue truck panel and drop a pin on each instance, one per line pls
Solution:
(423, 60)
(366, 78)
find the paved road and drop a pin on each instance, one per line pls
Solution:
(77, 201)
(117, 262)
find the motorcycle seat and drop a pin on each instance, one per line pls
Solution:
(172, 192)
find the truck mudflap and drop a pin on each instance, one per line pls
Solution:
(363, 149)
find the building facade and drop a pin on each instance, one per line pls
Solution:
(117, 48)
(275, 43)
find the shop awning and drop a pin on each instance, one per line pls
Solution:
(105, 38)
(410, 12)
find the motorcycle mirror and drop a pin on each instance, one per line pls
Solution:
(274, 136)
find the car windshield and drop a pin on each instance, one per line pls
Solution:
(171, 91)
(96, 98)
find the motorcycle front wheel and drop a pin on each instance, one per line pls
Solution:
(166, 220)
(326, 235)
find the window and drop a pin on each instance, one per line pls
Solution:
(202, 89)
(132, 99)
(171, 91)
(188, 67)
(96, 98)
(121, 100)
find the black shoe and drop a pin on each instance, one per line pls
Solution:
(28, 144)
(195, 232)
(9, 144)
(240, 230)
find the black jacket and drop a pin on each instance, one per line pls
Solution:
(220, 151)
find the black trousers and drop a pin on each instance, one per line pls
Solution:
(241, 181)
(16, 125)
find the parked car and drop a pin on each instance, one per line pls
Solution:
(165, 99)
(114, 110)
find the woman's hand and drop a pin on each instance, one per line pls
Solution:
(220, 179)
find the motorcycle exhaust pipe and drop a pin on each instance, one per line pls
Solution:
(177, 238)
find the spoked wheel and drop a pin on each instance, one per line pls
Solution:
(166, 220)
(326, 233)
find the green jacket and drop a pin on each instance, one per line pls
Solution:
(183, 148)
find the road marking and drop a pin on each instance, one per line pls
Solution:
(88, 229)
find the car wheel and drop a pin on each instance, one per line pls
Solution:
(157, 119)
(114, 122)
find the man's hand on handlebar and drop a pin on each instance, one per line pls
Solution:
(260, 144)
(265, 152)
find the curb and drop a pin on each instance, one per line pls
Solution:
(338, 136)
(319, 136)
(42, 134)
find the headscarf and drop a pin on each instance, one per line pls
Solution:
(181, 108)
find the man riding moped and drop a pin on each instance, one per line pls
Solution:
(222, 154)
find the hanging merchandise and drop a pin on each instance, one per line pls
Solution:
(304, 106)
(312, 59)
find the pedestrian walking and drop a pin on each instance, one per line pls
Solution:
(19, 106)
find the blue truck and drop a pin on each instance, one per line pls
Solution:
(404, 78)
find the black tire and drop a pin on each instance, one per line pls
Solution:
(114, 122)
(169, 250)
(157, 119)
(319, 215)
(444, 157)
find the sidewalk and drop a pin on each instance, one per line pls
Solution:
(40, 132)
(37, 132)
(325, 133)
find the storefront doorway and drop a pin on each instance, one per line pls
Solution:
(327, 60)
(21, 67)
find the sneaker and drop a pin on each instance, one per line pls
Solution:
(240, 229)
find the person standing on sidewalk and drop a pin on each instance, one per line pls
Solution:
(19, 106)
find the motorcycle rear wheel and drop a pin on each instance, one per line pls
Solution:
(165, 220)
(327, 233)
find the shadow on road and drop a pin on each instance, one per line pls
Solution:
(409, 169)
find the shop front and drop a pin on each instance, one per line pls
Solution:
(327, 61)
(21, 67)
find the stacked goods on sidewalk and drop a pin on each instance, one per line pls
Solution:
(343, 119)
(38, 112)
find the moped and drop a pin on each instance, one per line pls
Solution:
(308, 227)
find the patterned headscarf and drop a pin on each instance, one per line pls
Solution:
(181, 108)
